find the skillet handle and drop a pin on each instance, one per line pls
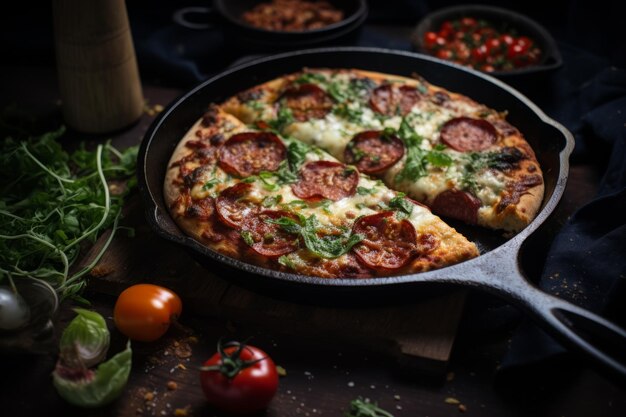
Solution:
(587, 333)
(598, 338)
(577, 328)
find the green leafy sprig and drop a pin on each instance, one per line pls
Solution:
(320, 240)
(53, 203)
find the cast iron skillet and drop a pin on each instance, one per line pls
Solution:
(497, 270)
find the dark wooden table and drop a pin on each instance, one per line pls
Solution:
(323, 375)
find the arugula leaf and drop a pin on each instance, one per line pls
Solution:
(354, 115)
(288, 224)
(210, 184)
(418, 159)
(284, 260)
(415, 163)
(283, 118)
(477, 161)
(437, 158)
(271, 200)
(364, 408)
(402, 205)
(256, 105)
(328, 246)
(323, 204)
(296, 154)
(310, 77)
(365, 191)
(295, 203)
(247, 237)
(333, 243)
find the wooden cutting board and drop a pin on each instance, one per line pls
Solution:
(418, 335)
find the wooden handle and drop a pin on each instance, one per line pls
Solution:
(97, 68)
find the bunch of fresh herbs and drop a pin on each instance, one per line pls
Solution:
(53, 204)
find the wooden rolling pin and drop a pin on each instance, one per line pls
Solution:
(97, 68)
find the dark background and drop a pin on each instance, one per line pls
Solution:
(26, 33)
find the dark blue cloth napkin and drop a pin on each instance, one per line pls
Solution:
(586, 264)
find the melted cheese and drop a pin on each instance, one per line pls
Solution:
(333, 132)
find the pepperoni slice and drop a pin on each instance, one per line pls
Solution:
(391, 100)
(269, 239)
(325, 179)
(307, 101)
(373, 152)
(249, 153)
(388, 243)
(465, 134)
(409, 96)
(457, 204)
(232, 207)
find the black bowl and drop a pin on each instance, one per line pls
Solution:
(247, 38)
(550, 57)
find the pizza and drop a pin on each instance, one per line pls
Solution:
(345, 173)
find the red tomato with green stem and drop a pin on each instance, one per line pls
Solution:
(239, 378)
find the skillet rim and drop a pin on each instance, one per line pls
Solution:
(512, 245)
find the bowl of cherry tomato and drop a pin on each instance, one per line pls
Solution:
(490, 39)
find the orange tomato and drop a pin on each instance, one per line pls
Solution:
(144, 312)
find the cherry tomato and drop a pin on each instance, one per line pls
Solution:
(430, 38)
(493, 46)
(524, 42)
(144, 312)
(479, 54)
(239, 378)
(514, 51)
(507, 39)
(444, 54)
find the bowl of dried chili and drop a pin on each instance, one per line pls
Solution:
(497, 41)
